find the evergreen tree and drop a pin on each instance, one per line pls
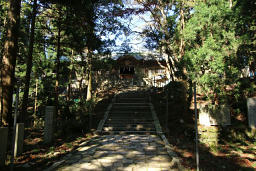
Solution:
(29, 63)
(211, 47)
(9, 58)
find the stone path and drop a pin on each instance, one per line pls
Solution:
(131, 140)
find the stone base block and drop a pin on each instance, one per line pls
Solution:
(3, 145)
(50, 112)
(19, 139)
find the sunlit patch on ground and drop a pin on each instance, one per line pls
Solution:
(120, 152)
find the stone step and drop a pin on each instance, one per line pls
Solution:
(132, 120)
(128, 132)
(121, 118)
(128, 122)
(124, 122)
(130, 115)
(135, 95)
(131, 96)
(130, 112)
(131, 100)
(130, 125)
(147, 124)
(129, 107)
(131, 104)
(115, 110)
(127, 129)
(124, 113)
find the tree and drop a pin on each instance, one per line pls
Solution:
(165, 32)
(29, 63)
(246, 28)
(3, 17)
(9, 58)
(211, 47)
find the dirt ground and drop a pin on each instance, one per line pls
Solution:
(235, 151)
(37, 155)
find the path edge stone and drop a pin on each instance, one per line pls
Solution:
(102, 122)
(168, 146)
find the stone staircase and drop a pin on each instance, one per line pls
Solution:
(144, 148)
(130, 114)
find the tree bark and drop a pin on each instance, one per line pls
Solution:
(89, 86)
(23, 115)
(70, 76)
(36, 90)
(9, 58)
(57, 70)
(230, 3)
(182, 27)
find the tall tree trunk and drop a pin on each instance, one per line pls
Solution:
(29, 65)
(57, 71)
(1, 102)
(1, 58)
(9, 58)
(89, 86)
(36, 90)
(182, 27)
(230, 3)
(70, 76)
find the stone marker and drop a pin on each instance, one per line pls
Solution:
(251, 105)
(3, 145)
(214, 116)
(19, 139)
(49, 123)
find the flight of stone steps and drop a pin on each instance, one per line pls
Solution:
(130, 114)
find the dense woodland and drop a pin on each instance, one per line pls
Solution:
(42, 42)
(45, 43)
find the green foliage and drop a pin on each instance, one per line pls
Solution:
(247, 30)
(211, 49)
(78, 22)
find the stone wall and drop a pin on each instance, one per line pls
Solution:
(215, 115)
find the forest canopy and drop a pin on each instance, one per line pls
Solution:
(44, 43)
